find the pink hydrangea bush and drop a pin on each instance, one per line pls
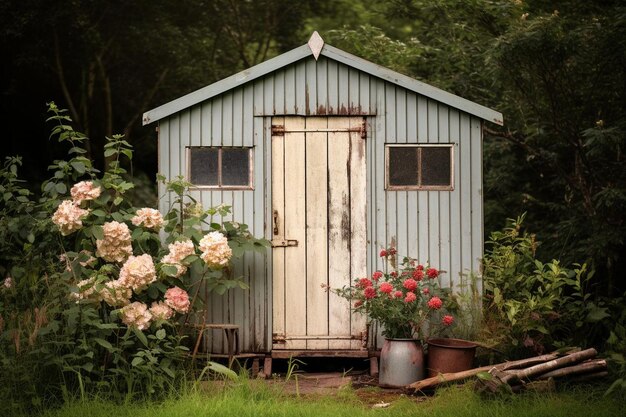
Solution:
(178, 251)
(84, 191)
(68, 217)
(177, 299)
(149, 218)
(116, 245)
(402, 300)
(137, 273)
(215, 250)
(137, 315)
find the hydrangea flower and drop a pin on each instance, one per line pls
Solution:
(215, 250)
(68, 217)
(83, 191)
(177, 252)
(149, 218)
(136, 315)
(116, 294)
(177, 299)
(138, 272)
(116, 244)
(161, 311)
(8, 282)
(87, 291)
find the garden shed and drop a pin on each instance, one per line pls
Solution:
(331, 158)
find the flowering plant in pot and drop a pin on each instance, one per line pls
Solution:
(402, 299)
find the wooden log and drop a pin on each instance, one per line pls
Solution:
(588, 367)
(588, 377)
(459, 376)
(573, 358)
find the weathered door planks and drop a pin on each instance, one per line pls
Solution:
(319, 199)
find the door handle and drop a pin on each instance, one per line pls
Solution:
(275, 217)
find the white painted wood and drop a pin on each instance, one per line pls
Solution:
(294, 220)
(434, 233)
(216, 122)
(320, 107)
(317, 231)
(444, 206)
(227, 119)
(278, 254)
(358, 222)
(339, 232)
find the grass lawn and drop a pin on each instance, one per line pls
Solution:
(253, 399)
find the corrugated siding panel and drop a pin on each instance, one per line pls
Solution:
(442, 227)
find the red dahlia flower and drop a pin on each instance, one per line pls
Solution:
(383, 253)
(369, 292)
(377, 275)
(386, 287)
(447, 320)
(410, 297)
(435, 303)
(410, 284)
(418, 275)
(364, 283)
(432, 273)
(398, 294)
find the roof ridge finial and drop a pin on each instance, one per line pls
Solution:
(316, 43)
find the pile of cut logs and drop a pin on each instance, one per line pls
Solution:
(574, 365)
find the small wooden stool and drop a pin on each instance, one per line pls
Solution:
(231, 331)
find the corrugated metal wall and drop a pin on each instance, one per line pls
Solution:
(442, 227)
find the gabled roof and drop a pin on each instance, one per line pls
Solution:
(316, 47)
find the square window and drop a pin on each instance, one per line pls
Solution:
(217, 167)
(412, 167)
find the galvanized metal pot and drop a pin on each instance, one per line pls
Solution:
(401, 362)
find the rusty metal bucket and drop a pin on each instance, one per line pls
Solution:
(449, 355)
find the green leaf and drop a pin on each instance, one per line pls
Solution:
(160, 334)
(109, 152)
(137, 361)
(97, 232)
(78, 166)
(141, 336)
(103, 343)
(61, 188)
(117, 201)
(169, 270)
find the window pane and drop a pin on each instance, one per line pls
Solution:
(402, 169)
(203, 166)
(236, 166)
(436, 166)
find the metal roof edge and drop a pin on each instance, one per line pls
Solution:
(226, 84)
(331, 52)
(412, 84)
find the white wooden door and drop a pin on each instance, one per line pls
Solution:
(319, 231)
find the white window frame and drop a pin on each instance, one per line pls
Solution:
(219, 185)
(418, 186)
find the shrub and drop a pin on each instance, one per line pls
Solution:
(531, 305)
(90, 296)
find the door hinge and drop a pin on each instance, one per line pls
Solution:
(284, 243)
(278, 130)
